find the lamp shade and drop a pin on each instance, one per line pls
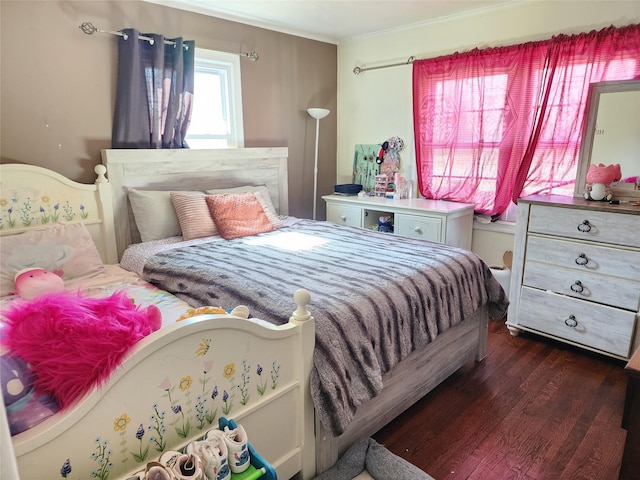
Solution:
(318, 113)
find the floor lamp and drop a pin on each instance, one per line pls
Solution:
(318, 114)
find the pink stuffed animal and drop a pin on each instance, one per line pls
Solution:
(72, 343)
(31, 282)
(598, 179)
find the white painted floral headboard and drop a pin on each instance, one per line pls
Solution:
(34, 197)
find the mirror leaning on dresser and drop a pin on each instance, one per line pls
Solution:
(575, 275)
(611, 135)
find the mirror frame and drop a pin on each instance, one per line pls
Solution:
(588, 135)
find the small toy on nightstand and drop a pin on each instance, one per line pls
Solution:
(598, 180)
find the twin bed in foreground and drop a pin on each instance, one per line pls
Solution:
(382, 334)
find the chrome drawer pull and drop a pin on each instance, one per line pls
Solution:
(582, 259)
(571, 321)
(577, 287)
(343, 218)
(417, 229)
(585, 226)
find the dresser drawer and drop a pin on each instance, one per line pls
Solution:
(426, 228)
(596, 326)
(344, 214)
(584, 285)
(606, 227)
(585, 257)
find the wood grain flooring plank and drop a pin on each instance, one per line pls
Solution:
(568, 427)
(534, 409)
(516, 440)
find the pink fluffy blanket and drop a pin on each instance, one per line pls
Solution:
(72, 343)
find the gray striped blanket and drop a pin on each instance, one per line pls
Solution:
(375, 297)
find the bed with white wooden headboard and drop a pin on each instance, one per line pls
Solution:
(408, 381)
(196, 364)
(195, 170)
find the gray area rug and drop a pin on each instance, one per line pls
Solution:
(371, 457)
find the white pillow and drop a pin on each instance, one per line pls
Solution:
(67, 249)
(154, 214)
(248, 188)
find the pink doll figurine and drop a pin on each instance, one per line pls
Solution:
(32, 282)
(598, 179)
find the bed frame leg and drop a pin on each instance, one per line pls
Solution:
(326, 449)
(483, 325)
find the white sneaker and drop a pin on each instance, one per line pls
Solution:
(169, 458)
(187, 467)
(184, 466)
(212, 452)
(157, 471)
(238, 447)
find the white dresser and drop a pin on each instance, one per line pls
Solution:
(576, 273)
(434, 220)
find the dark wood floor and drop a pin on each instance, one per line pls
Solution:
(533, 409)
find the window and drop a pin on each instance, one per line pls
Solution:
(497, 124)
(479, 133)
(472, 118)
(216, 121)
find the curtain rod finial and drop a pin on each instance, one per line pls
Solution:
(88, 28)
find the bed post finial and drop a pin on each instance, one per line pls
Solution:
(302, 298)
(100, 171)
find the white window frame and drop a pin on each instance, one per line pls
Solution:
(229, 62)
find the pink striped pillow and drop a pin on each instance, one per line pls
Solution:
(241, 214)
(193, 215)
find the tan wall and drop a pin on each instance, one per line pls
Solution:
(58, 86)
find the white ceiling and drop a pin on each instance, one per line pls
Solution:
(333, 21)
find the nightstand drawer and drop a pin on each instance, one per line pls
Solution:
(600, 226)
(422, 227)
(584, 257)
(583, 285)
(596, 326)
(344, 214)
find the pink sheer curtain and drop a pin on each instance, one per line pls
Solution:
(574, 62)
(496, 123)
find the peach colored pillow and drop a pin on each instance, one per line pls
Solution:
(193, 215)
(248, 188)
(240, 214)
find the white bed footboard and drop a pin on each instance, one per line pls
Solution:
(172, 389)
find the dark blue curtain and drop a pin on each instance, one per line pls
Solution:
(154, 96)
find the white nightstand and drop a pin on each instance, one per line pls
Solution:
(434, 220)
